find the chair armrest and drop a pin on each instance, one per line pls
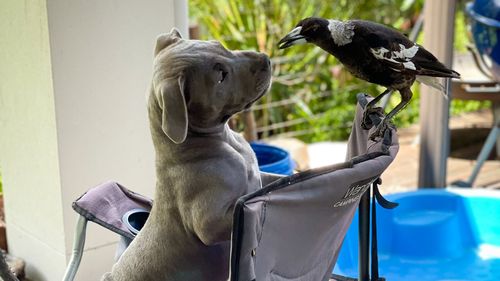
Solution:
(268, 178)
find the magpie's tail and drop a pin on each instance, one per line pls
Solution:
(436, 69)
(428, 65)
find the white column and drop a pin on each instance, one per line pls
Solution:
(439, 18)
(182, 17)
(73, 78)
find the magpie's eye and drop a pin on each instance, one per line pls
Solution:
(310, 28)
(222, 73)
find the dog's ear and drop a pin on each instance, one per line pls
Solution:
(174, 116)
(166, 39)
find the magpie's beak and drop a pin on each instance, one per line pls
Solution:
(292, 38)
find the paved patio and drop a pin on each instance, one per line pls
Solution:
(402, 175)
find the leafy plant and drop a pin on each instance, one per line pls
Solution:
(320, 95)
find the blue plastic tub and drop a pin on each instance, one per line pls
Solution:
(434, 235)
(273, 159)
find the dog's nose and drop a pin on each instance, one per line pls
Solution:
(266, 64)
(267, 61)
(261, 63)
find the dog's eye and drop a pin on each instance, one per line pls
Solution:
(222, 73)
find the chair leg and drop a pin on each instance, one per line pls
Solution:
(485, 152)
(122, 246)
(364, 237)
(78, 246)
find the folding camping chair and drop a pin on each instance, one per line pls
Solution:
(291, 229)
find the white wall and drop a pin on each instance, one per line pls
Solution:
(73, 77)
(28, 139)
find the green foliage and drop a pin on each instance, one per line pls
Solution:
(461, 33)
(1, 187)
(323, 93)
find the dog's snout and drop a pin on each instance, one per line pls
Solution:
(258, 66)
(261, 62)
(267, 63)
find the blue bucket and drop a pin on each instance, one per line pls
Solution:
(273, 159)
(485, 26)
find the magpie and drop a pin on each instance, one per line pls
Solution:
(374, 53)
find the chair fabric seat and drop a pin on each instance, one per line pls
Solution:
(106, 204)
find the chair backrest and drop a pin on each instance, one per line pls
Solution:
(293, 228)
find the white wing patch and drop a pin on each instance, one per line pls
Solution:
(409, 65)
(379, 53)
(342, 32)
(405, 53)
(403, 56)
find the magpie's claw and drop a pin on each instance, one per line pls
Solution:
(384, 125)
(367, 122)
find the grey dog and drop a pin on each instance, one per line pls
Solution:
(202, 166)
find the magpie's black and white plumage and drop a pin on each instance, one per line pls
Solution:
(375, 53)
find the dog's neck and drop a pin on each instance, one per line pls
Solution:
(220, 133)
(170, 154)
(198, 131)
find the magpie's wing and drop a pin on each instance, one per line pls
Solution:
(395, 50)
(429, 65)
(387, 45)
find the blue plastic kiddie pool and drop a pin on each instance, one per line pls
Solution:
(434, 235)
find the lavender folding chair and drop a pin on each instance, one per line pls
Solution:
(114, 207)
(293, 228)
(290, 230)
